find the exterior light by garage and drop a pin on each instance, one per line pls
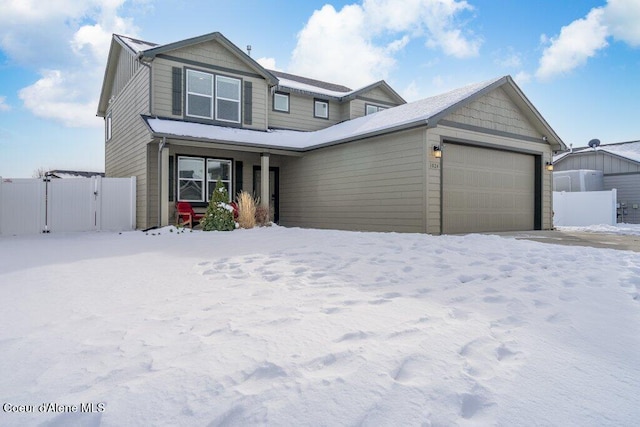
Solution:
(437, 152)
(549, 166)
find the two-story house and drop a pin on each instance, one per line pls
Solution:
(184, 115)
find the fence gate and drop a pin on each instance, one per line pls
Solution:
(58, 205)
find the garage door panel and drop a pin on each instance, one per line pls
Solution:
(487, 190)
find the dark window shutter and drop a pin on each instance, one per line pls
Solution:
(238, 177)
(248, 102)
(176, 93)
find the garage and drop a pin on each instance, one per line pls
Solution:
(487, 189)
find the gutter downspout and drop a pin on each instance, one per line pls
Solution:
(161, 146)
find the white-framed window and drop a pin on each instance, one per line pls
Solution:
(190, 179)
(199, 94)
(320, 109)
(370, 109)
(228, 93)
(107, 127)
(196, 184)
(218, 170)
(281, 102)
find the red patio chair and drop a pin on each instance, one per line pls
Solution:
(185, 215)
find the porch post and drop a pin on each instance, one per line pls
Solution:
(264, 180)
(164, 187)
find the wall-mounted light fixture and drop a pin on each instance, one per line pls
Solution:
(437, 152)
(549, 166)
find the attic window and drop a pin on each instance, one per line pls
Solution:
(321, 109)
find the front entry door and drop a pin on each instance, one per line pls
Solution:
(274, 185)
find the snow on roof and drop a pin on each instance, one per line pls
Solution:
(628, 150)
(381, 122)
(137, 45)
(74, 174)
(292, 84)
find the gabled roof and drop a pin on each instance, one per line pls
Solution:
(147, 50)
(217, 36)
(629, 150)
(423, 113)
(307, 86)
(384, 86)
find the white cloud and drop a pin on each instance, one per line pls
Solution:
(268, 63)
(585, 37)
(576, 43)
(3, 104)
(621, 18)
(68, 41)
(522, 78)
(358, 43)
(57, 96)
(508, 59)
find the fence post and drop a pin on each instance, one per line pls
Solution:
(97, 202)
(133, 202)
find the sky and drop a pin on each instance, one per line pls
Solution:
(578, 62)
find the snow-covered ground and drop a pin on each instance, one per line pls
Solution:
(621, 229)
(292, 327)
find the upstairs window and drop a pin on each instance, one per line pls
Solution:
(281, 102)
(199, 94)
(321, 109)
(370, 109)
(227, 99)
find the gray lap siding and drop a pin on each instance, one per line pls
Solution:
(375, 184)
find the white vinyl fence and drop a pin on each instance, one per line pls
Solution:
(584, 208)
(55, 205)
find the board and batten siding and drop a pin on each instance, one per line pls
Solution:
(300, 116)
(126, 151)
(596, 160)
(126, 67)
(628, 192)
(376, 184)
(163, 91)
(619, 173)
(493, 121)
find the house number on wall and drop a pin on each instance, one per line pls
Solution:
(434, 165)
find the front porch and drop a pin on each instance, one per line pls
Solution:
(188, 171)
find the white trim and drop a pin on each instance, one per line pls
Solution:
(315, 108)
(187, 93)
(282, 95)
(239, 100)
(201, 180)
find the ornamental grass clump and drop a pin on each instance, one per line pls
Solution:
(219, 216)
(246, 210)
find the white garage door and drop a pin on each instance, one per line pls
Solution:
(486, 190)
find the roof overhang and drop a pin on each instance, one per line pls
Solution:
(150, 54)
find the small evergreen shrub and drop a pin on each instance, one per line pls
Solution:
(246, 210)
(219, 215)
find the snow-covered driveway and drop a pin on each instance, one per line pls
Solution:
(291, 327)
